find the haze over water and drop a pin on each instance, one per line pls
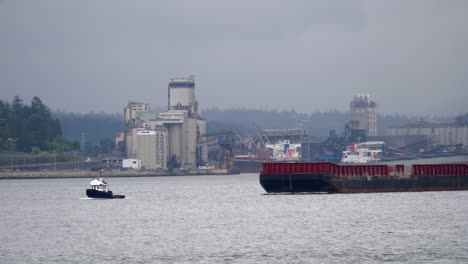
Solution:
(225, 219)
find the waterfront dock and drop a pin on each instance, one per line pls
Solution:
(54, 174)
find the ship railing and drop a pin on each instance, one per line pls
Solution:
(440, 169)
(325, 168)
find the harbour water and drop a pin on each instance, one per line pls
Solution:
(225, 219)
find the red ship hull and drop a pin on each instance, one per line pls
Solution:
(331, 178)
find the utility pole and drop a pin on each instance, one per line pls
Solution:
(54, 155)
(11, 153)
(12, 141)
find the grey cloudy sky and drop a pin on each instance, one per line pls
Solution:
(410, 56)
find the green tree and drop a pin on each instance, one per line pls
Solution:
(32, 126)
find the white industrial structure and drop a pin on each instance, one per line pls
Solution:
(182, 132)
(161, 147)
(131, 164)
(437, 134)
(173, 136)
(131, 141)
(202, 147)
(146, 150)
(181, 94)
(130, 112)
(364, 114)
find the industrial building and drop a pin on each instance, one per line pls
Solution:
(130, 112)
(437, 134)
(363, 114)
(131, 141)
(172, 136)
(181, 94)
(182, 133)
(133, 124)
(161, 147)
(295, 135)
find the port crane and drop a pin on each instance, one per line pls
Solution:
(262, 137)
(226, 141)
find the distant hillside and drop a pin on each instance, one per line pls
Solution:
(95, 126)
(98, 129)
(98, 126)
(246, 121)
(317, 124)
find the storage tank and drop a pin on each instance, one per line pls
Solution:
(146, 151)
(203, 151)
(131, 142)
(190, 159)
(176, 142)
(181, 93)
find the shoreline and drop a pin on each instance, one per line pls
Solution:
(71, 174)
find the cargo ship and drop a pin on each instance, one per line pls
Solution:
(325, 177)
(363, 153)
(281, 151)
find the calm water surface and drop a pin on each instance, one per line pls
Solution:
(225, 219)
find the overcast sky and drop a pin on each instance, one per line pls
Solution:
(410, 56)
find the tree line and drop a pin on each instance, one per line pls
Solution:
(95, 131)
(31, 128)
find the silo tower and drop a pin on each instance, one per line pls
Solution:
(364, 114)
(181, 94)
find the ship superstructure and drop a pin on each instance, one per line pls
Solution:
(366, 152)
(284, 150)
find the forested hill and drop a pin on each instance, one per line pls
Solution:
(317, 124)
(99, 126)
(34, 126)
(94, 126)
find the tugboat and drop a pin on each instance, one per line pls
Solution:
(99, 189)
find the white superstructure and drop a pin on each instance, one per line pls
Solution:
(362, 153)
(283, 150)
(99, 184)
